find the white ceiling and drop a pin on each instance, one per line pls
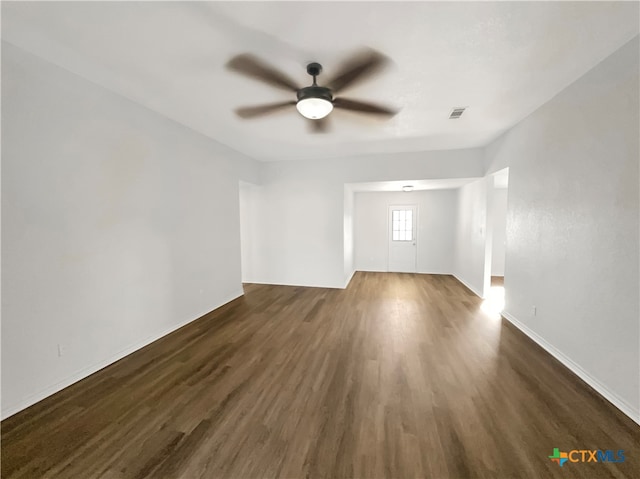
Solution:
(502, 60)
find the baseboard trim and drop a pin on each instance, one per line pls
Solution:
(441, 273)
(435, 273)
(293, 284)
(346, 284)
(88, 371)
(575, 368)
(469, 286)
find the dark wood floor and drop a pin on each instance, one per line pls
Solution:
(398, 376)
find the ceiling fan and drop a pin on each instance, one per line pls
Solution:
(314, 102)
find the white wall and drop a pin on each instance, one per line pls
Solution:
(301, 205)
(298, 234)
(499, 228)
(435, 234)
(573, 226)
(118, 226)
(249, 210)
(349, 240)
(470, 235)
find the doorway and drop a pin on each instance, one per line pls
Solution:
(402, 238)
(498, 224)
(496, 245)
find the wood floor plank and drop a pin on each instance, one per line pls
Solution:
(399, 375)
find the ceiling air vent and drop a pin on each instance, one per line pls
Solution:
(456, 113)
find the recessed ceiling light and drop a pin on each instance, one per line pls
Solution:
(407, 188)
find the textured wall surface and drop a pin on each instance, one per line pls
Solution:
(118, 226)
(572, 225)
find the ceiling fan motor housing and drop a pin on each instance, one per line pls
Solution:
(315, 92)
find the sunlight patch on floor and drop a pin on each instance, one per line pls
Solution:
(493, 304)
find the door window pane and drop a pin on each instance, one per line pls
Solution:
(402, 225)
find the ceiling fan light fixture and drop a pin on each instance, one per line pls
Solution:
(314, 108)
(314, 102)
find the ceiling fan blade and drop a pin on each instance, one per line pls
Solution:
(364, 107)
(319, 126)
(253, 67)
(261, 110)
(358, 68)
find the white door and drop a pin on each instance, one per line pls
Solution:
(402, 239)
